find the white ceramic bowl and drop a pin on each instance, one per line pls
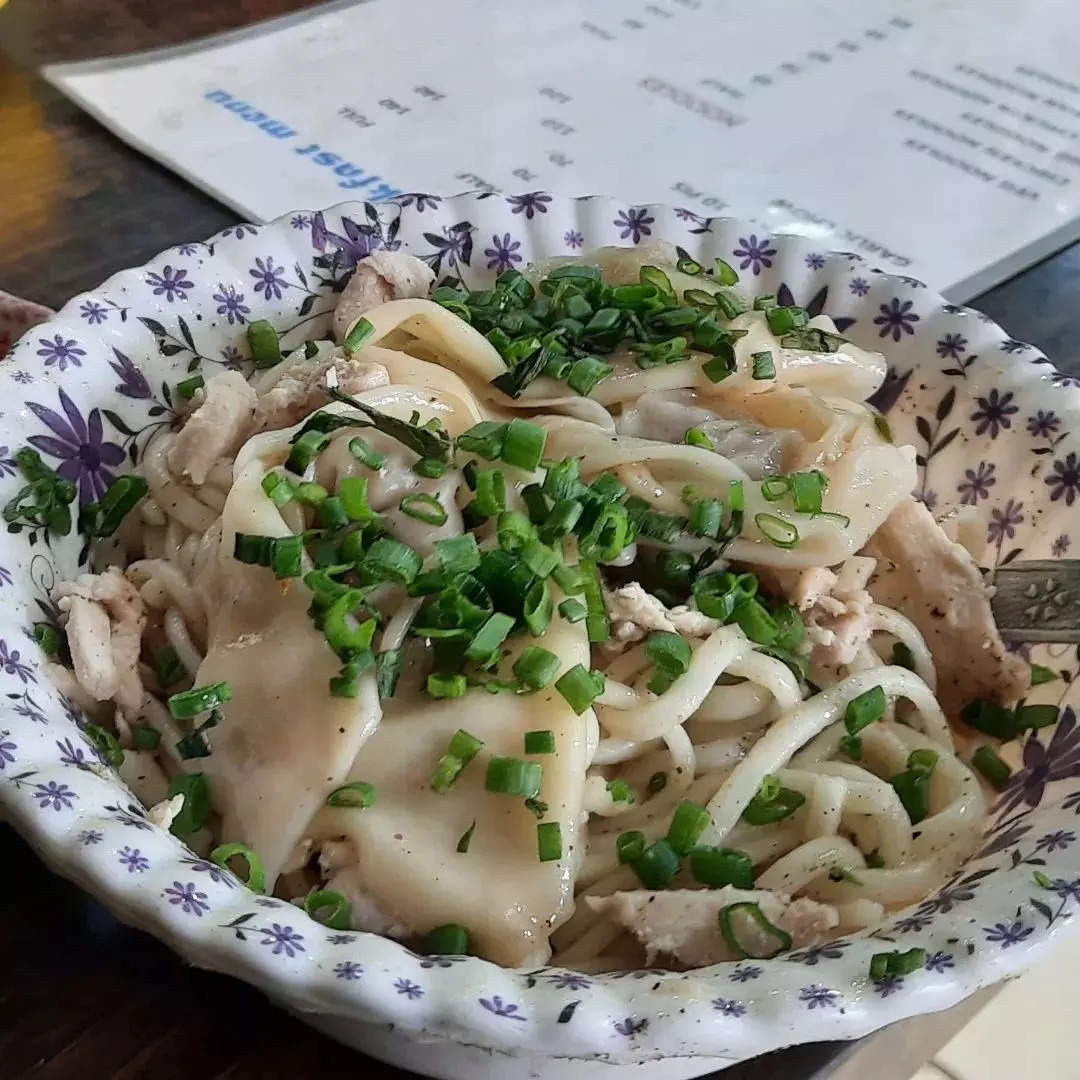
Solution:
(997, 429)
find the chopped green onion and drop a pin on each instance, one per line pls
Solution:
(352, 497)
(563, 480)
(514, 531)
(561, 520)
(348, 636)
(597, 624)
(902, 656)
(875, 861)
(573, 611)
(346, 684)
(355, 795)
(490, 492)
(458, 554)
(756, 623)
(717, 595)
(725, 273)
(774, 488)
(810, 339)
(707, 517)
(913, 785)
(586, 373)
(772, 803)
(432, 468)
(540, 742)
(991, 719)
(49, 638)
(536, 667)
(286, 556)
(425, 440)
(748, 933)
(864, 709)
(362, 330)
(198, 700)
(388, 665)
(466, 839)
(686, 265)
(719, 367)
(264, 345)
(524, 444)
(687, 825)
(331, 513)
(186, 387)
(549, 841)
(540, 559)
(1041, 674)
(305, 450)
(657, 782)
(120, 499)
(669, 652)
(883, 964)
(196, 809)
(424, 507)
(629, 846)
(278, 488)
(765, 301)
(781, 320)
(779, 533)
(446, 686)
(538, 608)
(806, 490)
(620, 791)
(489, 637)
(449, 940)
(570, 579)
(253, 550)
(168, 668)
(763, 365)
(923, 761)
(144, 737)
(106, 742)
(532, 495)
(996, 771)
(311, 494)
(513, 776)
(256, 875)
(366, 455)
(316, 903)
(717, 867)
(196, 744)
(657, 865)
(1042, 880)
(1034, 717)
(694, 436)
(390, 560)
(485, 438)
(580, 687)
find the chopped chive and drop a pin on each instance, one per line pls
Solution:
(630, 845)
(523, 446)
(264, 345)
(120, 499)
(514, 531)
(996, 771)
(539, 558)
(106, 743)
(694, 436)
(361, 331)
(196, 744)
(186, 387)
(913, 785)
(687, 825)
(489, 637)
(756, 622)
(168, 668)
(538, 608)
(884, 964)
(772, 803)
(564, 515)
(540, 742)
(485, 438)
(329, 907)
(305, 450)
(1033, 717)
(346, 634)
(253, 550)
(490, 492)
(536, 667)
(549, 841)
(458, 554)
(779, 533)
(286, 556)
(765, 301)
(597, 624)
(446, 686)
(657, 782)
(366, 455)
(774, 488)
(390, 560)
(278, 488)
(449, 940)
(573, 611)
(311, 494)
(763, 365)
(513, 776)
(198, 700)
(620, 791)
(686, 265)
(424, 507)
(657, 865)
(256, 875)
(570, 579)
(1040, 675)
(724, 272)
(586, 373)
(580, 687)
(355, 795)
(810, 339)
(864, 709)
(144, 737)
(331, 513)
(717, 867)
(902, 656)
(196, 809)
(388, 665)
(346, 684)
(744, 926)
(991, 719)
(466, 839)
(707, 517)
(719, 367)
(781, 320)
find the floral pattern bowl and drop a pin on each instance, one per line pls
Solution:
(997, 430)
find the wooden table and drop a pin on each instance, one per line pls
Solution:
(81, 994)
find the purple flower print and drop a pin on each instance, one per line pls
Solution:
(896, 318)
(134, 860)
(1003, 522)
(233, 357)
(133, 382)
(831, 950)
(1043, 424)
(231, 304)
(23, 377)
(1060, 545)
(348, 971)
(573, 239)
(29, 708)
(300, 221)
(170, 283)
(1055, 841)
(929, 499)
(729, 1007)
(568, 980)
(7, 749)
(859, 286)
(283, 939)
(81, 446)
(11, 663)
(187, 898)
(977, 484)
(269, 279)
(411, 990)
(1010, 835)
(215, 872)
(1066, 890)
(1059, 378)
(912, 924)
(422, 200)
(744, 973)
(8, 467)
(1011, 345)
(994, 412)
(1064, 480)
(71, 711)
(58, 796)
(634, 224)
(1006, 935)
(1059, 759)
(496, 1005)
(357, 243)
(630, 1027)
(240, 231)
(341, 939)
(818, 997)
(814, 261)
(754, 253)
(532, 203)
(93, 312)
(89, 837)
(503, 252)
(951, 346)
(60, 351)
(70, 754)
(5, 576)
(263, 902)
(889, 984)
(189, 249)
(939, 962)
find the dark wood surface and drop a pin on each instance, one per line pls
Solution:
(81, 994)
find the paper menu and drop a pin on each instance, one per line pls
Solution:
(938, 140)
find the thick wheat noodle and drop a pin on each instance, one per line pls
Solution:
(613, 751)
(594, 941)
(720, 753)
(889, 621)
(172, 496)
(151, 513)
(825, 796)
(175, 535)
(393, 637)
(176, 630)
(725, 704)
(791, 873)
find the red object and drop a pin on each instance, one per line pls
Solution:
(16, 317)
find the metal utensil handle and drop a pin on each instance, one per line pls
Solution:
(1038, 600)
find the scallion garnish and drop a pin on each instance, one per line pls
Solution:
(144, 737)
(549, 841)
(390, 560)
(278, 488)
(536, 667)
(264, 345)
(366, 455)
(446, 686)
(783, 319)
(426, 440)
(466, 839)
(913, 785)
(587, 373)
(311, 494)
(861, 712)
(657, 783)
(355, 795)
(902, 656)
(513, 776)
(763, 365)
(362, 331)
(256, 875)
(1033, 717)
(490, 492)
(1041, 674)
(717, 867)
(103, 518)
(196, 744)
(630, 845)
(538, 607)
(44, 502)
(347, 634)
(694, 436)
(106, 743)
(196, 809)
(573, 611)
(198, 700)
(779, 533)
(449, 940)
(388, 665)
(540, 742)
(657, 865)
(620, 791)
(539, 558)
(772, 803)
(424, 507)
(580, 687)
(991, 719)
(523, 446)
(167, 667)
(899, 963)
(48, 638)
(748, 933)
(810, 339)
(329, 908)
(186, 387)
(996, 771)
(305, 450)
(597, 623)
(687, 825)
(489, 637)
(485, 439)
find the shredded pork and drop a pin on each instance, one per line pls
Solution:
(302, 389)
(216, 429)
(635, 612)
(382, 276)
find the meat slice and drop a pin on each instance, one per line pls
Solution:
(936, 584)
(684, 924)
(216, 428)
(106, 619)
(635, 612)
(382, 276)
(302, 389)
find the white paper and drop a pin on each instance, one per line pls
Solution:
(940, 140)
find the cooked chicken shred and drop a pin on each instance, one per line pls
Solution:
(382, 276)
(216, 429)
